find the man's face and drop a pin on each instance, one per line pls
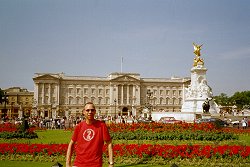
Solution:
(89, 112)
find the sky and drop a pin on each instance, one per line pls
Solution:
(153, 37)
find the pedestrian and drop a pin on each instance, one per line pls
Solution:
(89, 137)
(53, 124)
(243, 123)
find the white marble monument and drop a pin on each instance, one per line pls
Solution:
(198, 91)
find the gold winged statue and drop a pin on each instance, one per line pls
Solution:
(197, 59)
(197, 49)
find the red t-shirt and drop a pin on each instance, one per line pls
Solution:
(90, 140)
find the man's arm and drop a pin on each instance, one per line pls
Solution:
(69, 153)
(110, 151)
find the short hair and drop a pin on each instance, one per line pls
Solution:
(90, 102)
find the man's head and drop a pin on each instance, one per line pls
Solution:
(89, 111)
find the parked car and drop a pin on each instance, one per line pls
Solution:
(202, 120)
(169, 120)
(212, 120)
(235, 123)
(145, 120)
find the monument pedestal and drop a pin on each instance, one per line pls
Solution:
(193, 105)
(198, 92)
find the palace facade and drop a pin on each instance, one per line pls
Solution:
(57, 95)
(18, 103)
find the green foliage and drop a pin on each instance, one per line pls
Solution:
(24, 126)
(174, 135)
(222, 99)
(16, 135)
(1, 95)
(240, 99)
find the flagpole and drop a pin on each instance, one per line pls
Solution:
(121, 63)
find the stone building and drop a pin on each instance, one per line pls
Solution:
(20, 102)
(57, 95)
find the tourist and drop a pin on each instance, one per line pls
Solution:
(243, 123)
(89, 137)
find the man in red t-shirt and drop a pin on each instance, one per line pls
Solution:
(89, 137)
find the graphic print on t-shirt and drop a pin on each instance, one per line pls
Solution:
(88, 134)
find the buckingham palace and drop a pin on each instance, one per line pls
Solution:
(57, 95)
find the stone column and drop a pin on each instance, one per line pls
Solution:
(50, 98)
(122, 94)
(43, 97)
(134, 96)
(127, 94)
(58, 94)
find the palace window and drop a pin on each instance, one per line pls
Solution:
(93, 91)
(100, 91)
(52, 90)
(78, 100)
(180, 93)
(167, 92)
(161, 100)
(93, 99)
(180, 101)
(85, 99)
(99, 100)
(167, 100)
(107, 100)
(70, 100)
(85, 90)
(78, 91)
(161, 92)
(107, 91)
(174, 92)
(70, 90)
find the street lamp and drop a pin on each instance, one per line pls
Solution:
(115, 107)
(149, 94)
(51, 108)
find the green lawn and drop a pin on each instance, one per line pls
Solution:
(45, 137)
(63, 137)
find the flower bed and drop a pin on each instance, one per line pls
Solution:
(10, 131)
(129, 151)
(181, 151)
(180, 127)
(33, 149)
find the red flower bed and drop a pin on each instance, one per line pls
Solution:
(8, 127)
(160, 127)
(135, 150)
(183, 151)
(33, 149)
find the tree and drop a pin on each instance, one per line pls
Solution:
(241, 99)
(222, 99)
(1, 96)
